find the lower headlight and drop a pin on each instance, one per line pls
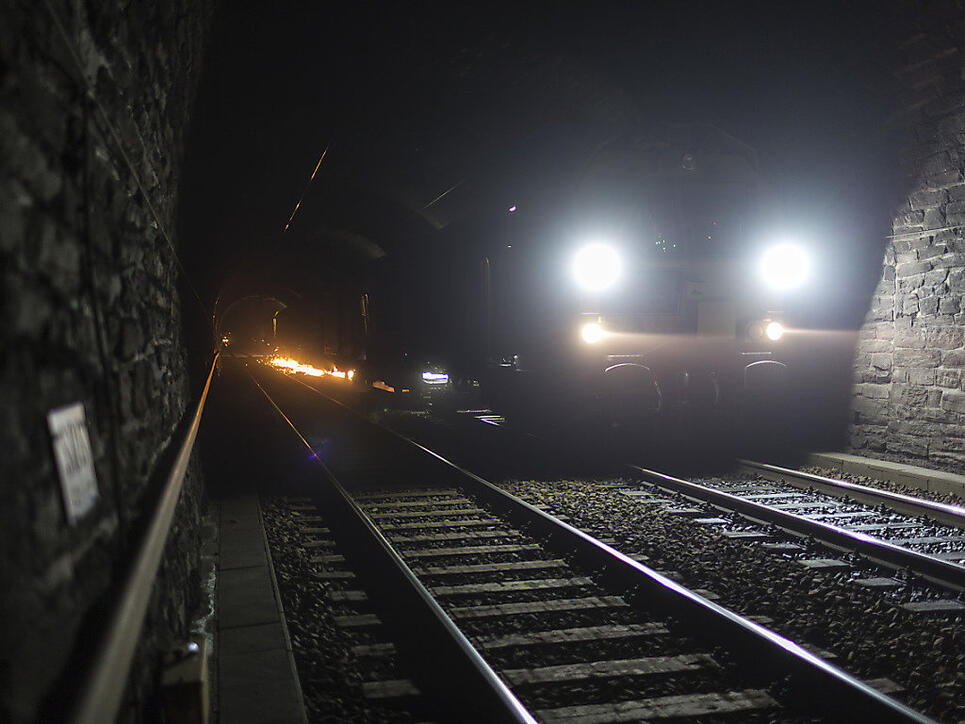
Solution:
(592, 333)
(771, 329)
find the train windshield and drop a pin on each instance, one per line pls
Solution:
(696, 218)
(714, 218)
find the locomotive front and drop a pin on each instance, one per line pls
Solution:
(684, 310)
(654, 334)
(666, 299)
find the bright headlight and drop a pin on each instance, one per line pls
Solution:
(785, 266)
(596, 267)
(774, 331)
(435, 378)
(592, 333)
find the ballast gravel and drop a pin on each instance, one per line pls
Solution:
(869, 636)
(331, 675)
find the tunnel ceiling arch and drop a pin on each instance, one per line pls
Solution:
(236, 305)
(251, 284)
(299, 281)
(355, 220)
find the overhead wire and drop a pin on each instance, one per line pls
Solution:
(305, 190)
(443, 194)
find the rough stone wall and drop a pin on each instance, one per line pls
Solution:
(909, 396)
(94, 102)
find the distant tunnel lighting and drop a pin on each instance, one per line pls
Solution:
(592, 333)
(435, 378)
(596, 267)
(512, 209)
(289, 365)
(774, 331)
(785, 266)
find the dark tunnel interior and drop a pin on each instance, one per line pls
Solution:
(683, 232)
(420, 149)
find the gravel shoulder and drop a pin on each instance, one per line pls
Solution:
(949, 498)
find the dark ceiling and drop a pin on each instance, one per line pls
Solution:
(432, 114)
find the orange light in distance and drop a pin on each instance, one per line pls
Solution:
(295, 367)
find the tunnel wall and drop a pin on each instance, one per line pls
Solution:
(909, 393)
(94, 102)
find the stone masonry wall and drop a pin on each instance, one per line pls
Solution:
(909, 393)
(94, 103)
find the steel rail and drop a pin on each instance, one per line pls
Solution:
(424, 629)
(944, 573)
(818, 683)
(104, 689)
(953, 515)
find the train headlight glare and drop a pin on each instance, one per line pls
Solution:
(596, 267)
(592, 333)
(785, 266)
(774, 331)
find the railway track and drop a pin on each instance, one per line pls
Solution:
(915, 506)
(891, 530)
(550, 632)
(506, 613)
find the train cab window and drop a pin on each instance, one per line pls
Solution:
(714, 218)
(661, 228)
(694, 217)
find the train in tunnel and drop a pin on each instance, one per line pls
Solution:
(655, 298)
(645, 284)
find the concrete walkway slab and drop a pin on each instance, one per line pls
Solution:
(254, 667)
(266, 702)
(242, 537)
(246, 639)
(246, 597)
(912, 476)
(257, 681)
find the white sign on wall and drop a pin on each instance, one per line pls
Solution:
(75, 462)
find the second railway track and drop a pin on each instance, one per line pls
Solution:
(832, 512)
